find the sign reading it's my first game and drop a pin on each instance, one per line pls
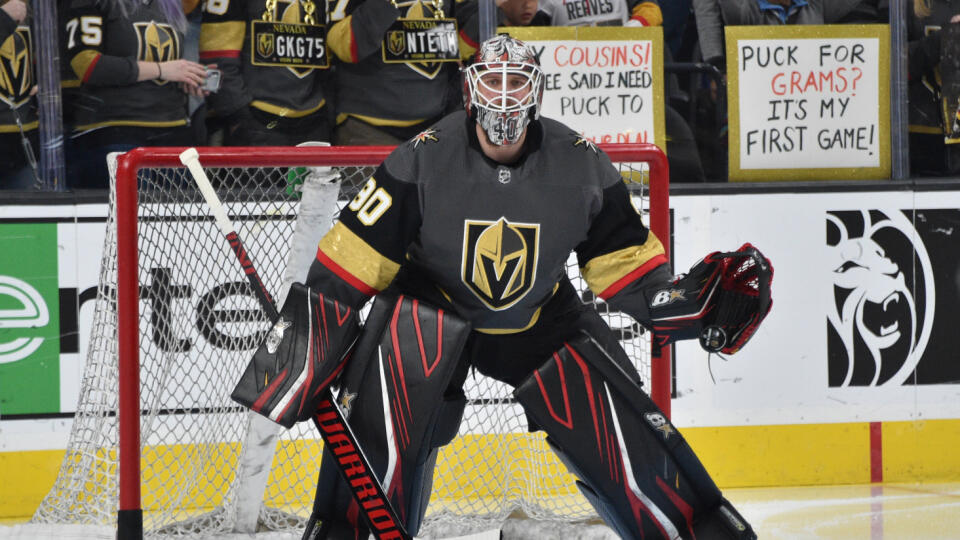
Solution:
(809, 102)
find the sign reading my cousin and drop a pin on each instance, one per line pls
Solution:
(605, 82)
(808, 102)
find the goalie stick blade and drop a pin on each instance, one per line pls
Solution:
(302, 354)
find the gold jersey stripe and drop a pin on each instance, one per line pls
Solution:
(285, 112)
(374, 121)
(603, 271)
(358, 258)
(141, 123)
(13, 128)
(223, 36)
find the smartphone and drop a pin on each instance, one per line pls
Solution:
(212, 81)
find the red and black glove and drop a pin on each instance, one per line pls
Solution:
(721, 301)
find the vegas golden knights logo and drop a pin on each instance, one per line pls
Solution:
(499, 260)
(16, 77)
(157, 42)
(265, 44)
(395, 42)
(416, 9)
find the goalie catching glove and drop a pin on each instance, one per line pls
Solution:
(302, 354)
(721, 301)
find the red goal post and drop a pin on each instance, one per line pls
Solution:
(128, 292)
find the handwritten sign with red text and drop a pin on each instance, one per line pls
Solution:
(808, 102)
(604, 82)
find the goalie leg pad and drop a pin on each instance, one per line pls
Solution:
(302, 354)
(395, 396)
(633, 466)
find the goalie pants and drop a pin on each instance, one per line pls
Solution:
(511, 358)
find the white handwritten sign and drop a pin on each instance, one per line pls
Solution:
(806, 102)
(605, 86)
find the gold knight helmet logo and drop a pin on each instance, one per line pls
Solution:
(499, 260)
(265, 44)
(157, 42)
(16, 77)
(395, 42)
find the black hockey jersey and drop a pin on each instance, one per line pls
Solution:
(226, 39)
(493, 238)
(16, 76)
(390, 95)
(104, 46)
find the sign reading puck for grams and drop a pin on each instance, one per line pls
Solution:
(808, 102)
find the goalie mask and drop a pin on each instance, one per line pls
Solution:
(503, 88)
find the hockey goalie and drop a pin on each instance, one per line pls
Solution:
(461, 236)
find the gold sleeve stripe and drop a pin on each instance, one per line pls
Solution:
(467, 46)
(223, 36)
(341, 42)
(83, 62)
(607, 274)
(649, 13)
(355, 261)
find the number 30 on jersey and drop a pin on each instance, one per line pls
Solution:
(371, 202)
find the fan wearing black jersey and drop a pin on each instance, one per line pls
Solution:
(474, 220)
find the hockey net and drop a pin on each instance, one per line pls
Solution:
(175, 323)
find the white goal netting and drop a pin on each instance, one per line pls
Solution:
(201, 471)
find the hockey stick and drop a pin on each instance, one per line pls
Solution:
(337, 435)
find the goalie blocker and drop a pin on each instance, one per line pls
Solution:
(285, 376)
(633, 466)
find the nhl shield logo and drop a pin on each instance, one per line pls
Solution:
(265, 45)
(395, 42)
(499, 260)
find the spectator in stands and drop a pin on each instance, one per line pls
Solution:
(18, 111)
(712, 15)
(863, 12)
(127, 55)
(265, 101)
(521, 13)
(934, 47)
(509, 13)
(385, 103)
(613, 13)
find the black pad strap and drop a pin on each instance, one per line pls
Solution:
(636, 465)
(301, 355)
(402, 364)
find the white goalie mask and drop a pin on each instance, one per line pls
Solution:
(503, 88)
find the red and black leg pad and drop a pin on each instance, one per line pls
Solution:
(395, 393)
(301, 355)
(633, 466)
